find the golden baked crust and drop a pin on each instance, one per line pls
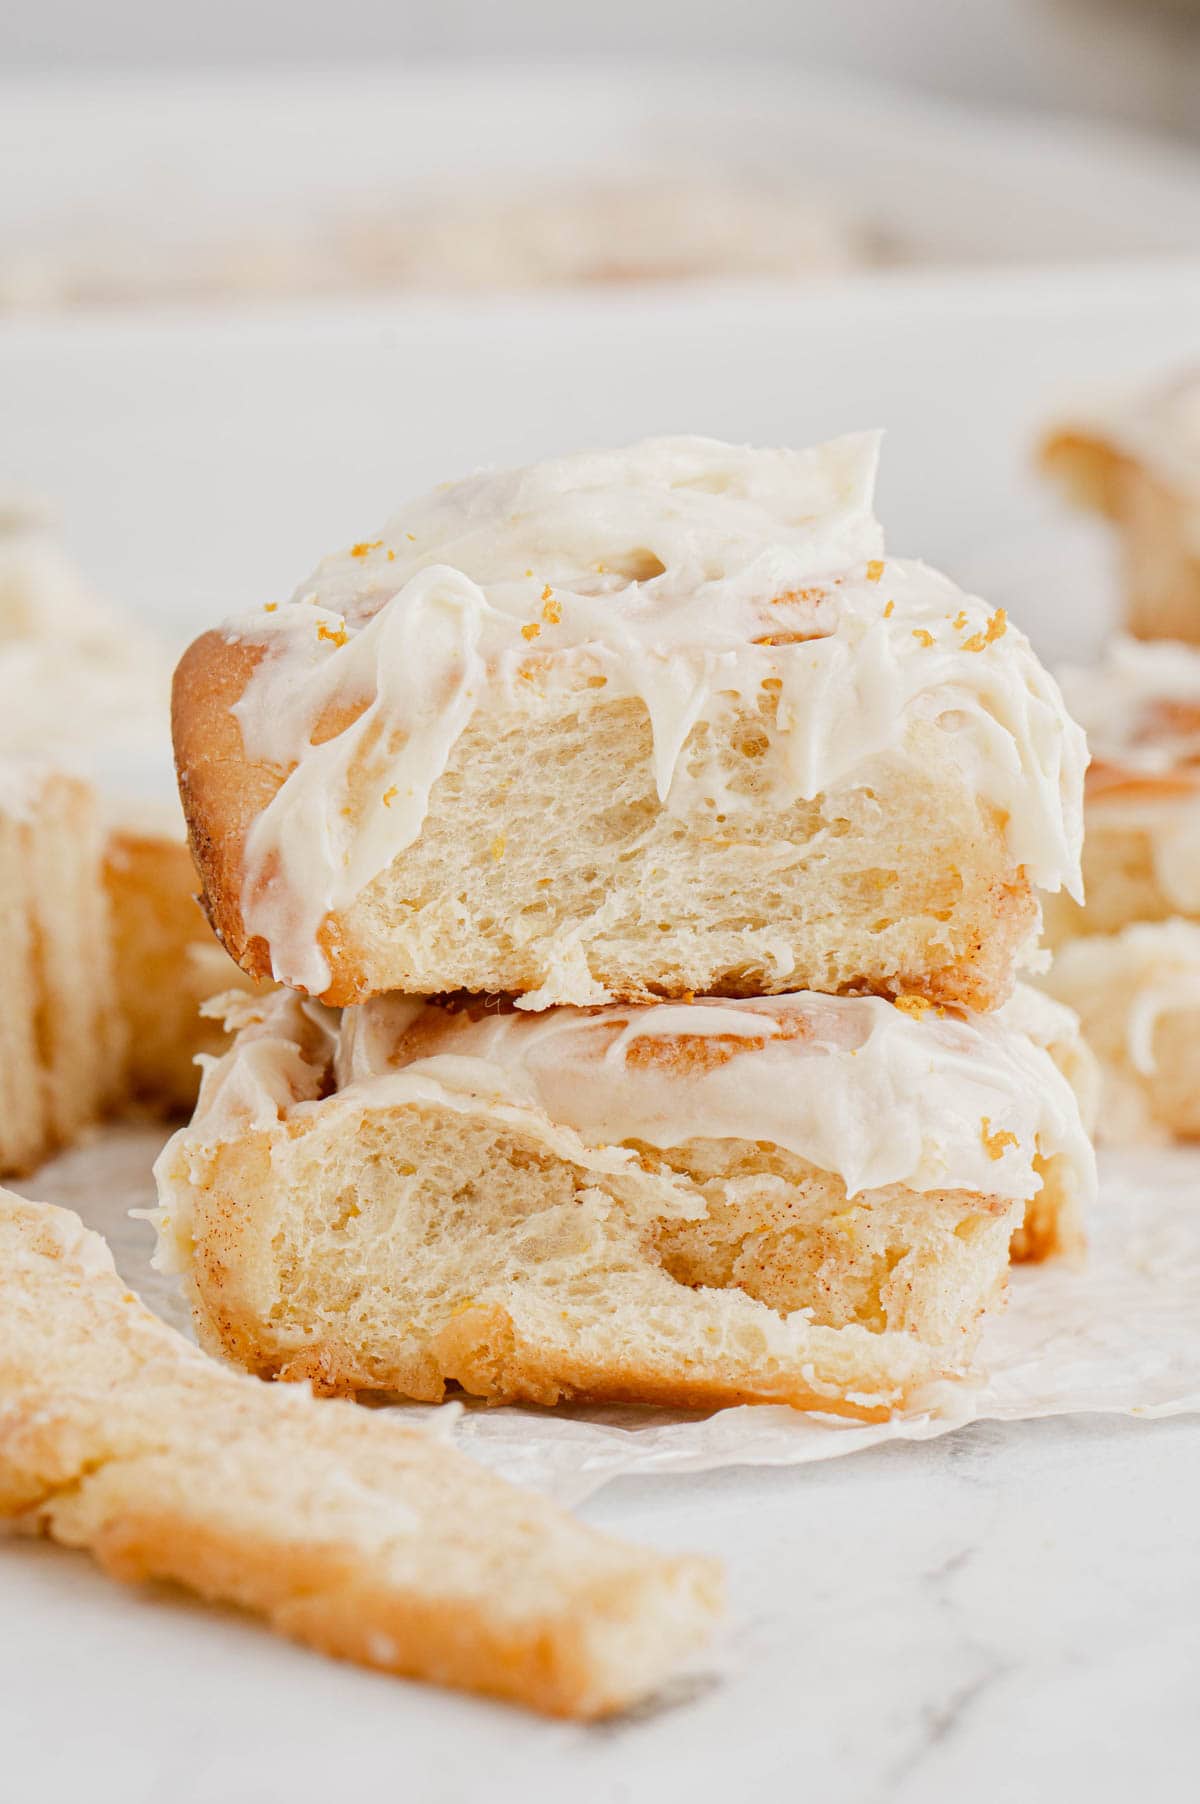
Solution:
(220, 789)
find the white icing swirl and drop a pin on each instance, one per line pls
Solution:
(681, 572)
(854, 1085)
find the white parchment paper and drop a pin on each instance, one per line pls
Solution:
(1121, 1334)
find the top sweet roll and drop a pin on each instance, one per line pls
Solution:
(629, 725)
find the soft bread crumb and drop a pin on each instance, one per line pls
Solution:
(903, 887)
(721, 1272)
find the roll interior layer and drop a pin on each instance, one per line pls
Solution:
(1138, 462)
(1137, 993)
(624, 725)
(1141, 708)
(802, 1199)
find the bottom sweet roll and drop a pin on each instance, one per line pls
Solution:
(800, 1199)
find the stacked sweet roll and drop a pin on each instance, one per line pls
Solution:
(1129, 961)
(645, 860)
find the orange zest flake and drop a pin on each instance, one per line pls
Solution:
(922, 636)
(551, 610)
(788, 596)
(411, 537)
(874, 569)
(365, 546)
(269, 607)
(389, 796)
(960, 620)
(391, 555)
(889, 610)
(497, 847)
(530, 630)
(916, 1006)
(995, 629)
(771, 683)
(335, 636)
(597, 682)
(994, 1144)
(786, 638)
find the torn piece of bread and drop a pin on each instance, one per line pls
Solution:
(1139, 464)
(167, 963)
(801, 1199)
(62, 1040)
(367, 1539)
(1137, 995)
(1140, 706)
(632, 724)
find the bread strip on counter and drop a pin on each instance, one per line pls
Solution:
(361, 1536)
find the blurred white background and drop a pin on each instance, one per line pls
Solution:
(267, 265)
(1136, 60)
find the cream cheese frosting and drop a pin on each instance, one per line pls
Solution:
(876, 1093)
(682, 572)
(1140, 707)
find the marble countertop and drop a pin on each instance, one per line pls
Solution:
(1012, 1612)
